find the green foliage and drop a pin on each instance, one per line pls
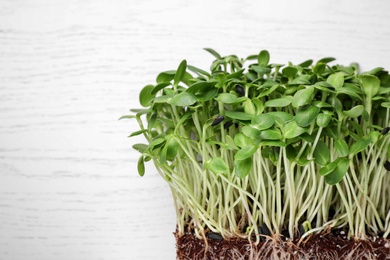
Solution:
(217, 165)
(284, 143)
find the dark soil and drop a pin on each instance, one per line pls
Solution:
(331, 245)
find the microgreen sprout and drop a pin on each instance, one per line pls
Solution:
(251, 148)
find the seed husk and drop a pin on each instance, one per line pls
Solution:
(285, 233)
(301, 230)
(387, 165)
(214, 236)
(385, 130)
(228, 124)
(240, 90)
(217, 120)
(264, 230)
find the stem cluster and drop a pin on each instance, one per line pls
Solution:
(264, 149)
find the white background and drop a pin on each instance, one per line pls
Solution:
(69, 69)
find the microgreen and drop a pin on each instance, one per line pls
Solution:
(281, 145)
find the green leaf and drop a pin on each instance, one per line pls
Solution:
(263, 58)
(236, 74)
(183, 119)
(217, 165)
(308, 138)
(230, 143)
(360, 145)
(374, 136)
(337, 174)
(159, 87)
(279, 102)
(271, 134)
(151, 119)
(172, 148)
(146, 96)
(336, 80)
(303, 161)
(306, 64)
(267, 91)
(198, 71)
(207, 95)
(187, 78)
(263, 121)
(227, 98)
(336, 103)
(374, 71)
(366, 116)
(252, 57)
(127, 117)
(300, 80)
(251, 132)
(180, 73)
(165, 77)
(138, 132)
(259, 106)
(249, 108)
(238, 115)
(261, 69)
(292, 129)
(216, 65)
(321, 153)
(140, 147)
(321, 104)
(383, 91)
(213, 52)
(271, 153)
(290, 72)
(323, 119)
(326, 60)
(242, 167)
(201, 86)
(156, 143)
(291, 152)
(290, 90)
(319, 68)
(221, 144)
(347, 90)
(163, 99)
(370, 85)
(246, 152)
(141, 166)
(341, 147)
(242, 140)
(306, 115)
(324, 87)
(355, 111)
(142, 112)
(385, 104)
(303, 97)
(183, 99)
(163, 154)
(331, 131)
(280, 115)
(273, 143)
(327, 169)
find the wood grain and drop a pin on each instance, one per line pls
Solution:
(69, 69)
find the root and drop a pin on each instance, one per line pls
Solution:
(320, 246)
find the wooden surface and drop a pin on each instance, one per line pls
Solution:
(69, 69)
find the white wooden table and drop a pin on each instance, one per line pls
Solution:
(69, 69)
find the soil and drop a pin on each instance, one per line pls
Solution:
(330, 245)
